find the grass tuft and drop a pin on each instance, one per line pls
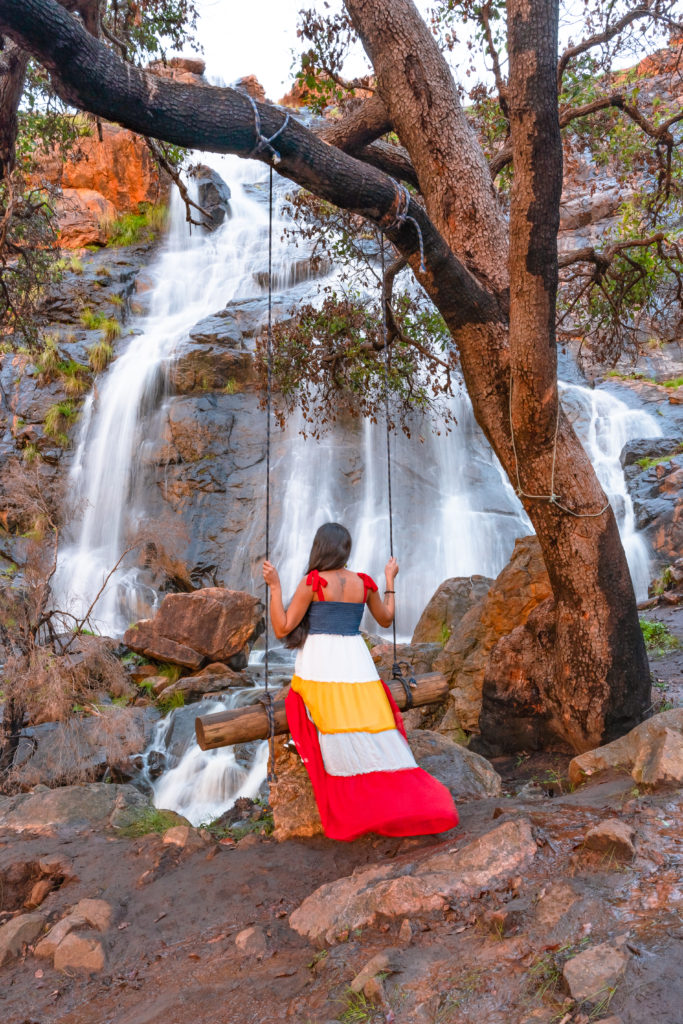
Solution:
(100, 355)
(152, 819)
(143, 226)
(658, 637)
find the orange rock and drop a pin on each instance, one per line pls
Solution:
(521, 586)
(251, 85)
(82, 215)
(120, 167)
(189, 70)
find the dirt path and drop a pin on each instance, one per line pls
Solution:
(496, 958)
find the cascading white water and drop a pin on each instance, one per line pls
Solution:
(455, 512)
(193, 277)
(202, 784)
(604, 424)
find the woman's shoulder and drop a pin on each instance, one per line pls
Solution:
(368, 581)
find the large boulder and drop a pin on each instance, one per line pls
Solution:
(449, 603)
(68, 808)
(515, 711)
(521, 586)
(214, 624)
(213, 195)
(188, 70)
(415, 888)
(215, 678)
(82, 216)
(653, 469)
(467, 775)
(652, 753)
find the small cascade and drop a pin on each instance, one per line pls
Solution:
(200, 784)
(604, 423)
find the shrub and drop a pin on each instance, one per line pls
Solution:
(658, 637)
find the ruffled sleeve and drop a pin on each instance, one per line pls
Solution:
(368, 583)
(317, 583)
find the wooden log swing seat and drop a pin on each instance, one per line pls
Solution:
(241, 725)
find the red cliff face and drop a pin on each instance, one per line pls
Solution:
(119, 166)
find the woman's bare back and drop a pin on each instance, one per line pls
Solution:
(342, 585)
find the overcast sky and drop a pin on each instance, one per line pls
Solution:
(256, 37)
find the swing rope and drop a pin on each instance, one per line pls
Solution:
(401, 670)
(267, 698)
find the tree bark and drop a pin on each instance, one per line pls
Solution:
(602, 684)
(13, 64)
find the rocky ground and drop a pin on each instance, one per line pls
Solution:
(550, 902)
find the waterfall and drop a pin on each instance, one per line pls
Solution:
(194, 276)
(604, 423)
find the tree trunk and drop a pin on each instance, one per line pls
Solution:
(13, 63)
(602, 682)
(601, 686)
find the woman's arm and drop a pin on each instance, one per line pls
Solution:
(383, 610)
(283, 620)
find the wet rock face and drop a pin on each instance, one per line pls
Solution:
(652, 753)
(451, 601)
(213, 624)
(213, 196)
(521, 586)
(654, 477)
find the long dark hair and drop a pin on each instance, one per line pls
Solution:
(330, 550)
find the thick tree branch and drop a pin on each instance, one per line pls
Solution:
(13, 64)
(88, 75)
(357, 134)
(367, 122)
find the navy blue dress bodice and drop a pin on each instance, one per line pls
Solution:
(341, 618)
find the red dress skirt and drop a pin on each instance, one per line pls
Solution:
(350, 735)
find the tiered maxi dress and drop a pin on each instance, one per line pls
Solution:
(350, 734)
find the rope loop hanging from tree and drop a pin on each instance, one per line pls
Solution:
(400, 216)
(263, 143)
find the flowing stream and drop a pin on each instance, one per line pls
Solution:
(455, 511)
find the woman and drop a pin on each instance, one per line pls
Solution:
(343, 720)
